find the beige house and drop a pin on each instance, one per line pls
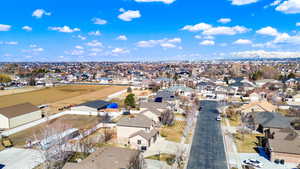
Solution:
(153, 110)
(285, 146)
(136, 131)
(260, 106)
(19, 114)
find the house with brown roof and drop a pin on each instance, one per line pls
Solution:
(109, 158)
(137, 131)
(153, 110)
(259, 106)
(19, 114)
(285, 145)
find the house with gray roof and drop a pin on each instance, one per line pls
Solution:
(92, 106)
(137, 131)
(272, 120)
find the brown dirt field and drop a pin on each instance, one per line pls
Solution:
(67, 121)
(19, 90)
(98, 94)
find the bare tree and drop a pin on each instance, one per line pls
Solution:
(167, 118)
(137, 161)
(52, 143)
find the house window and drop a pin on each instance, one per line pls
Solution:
(139, 142)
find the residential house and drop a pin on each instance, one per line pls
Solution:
(19, 114)
(137, 131)
(109, 158)
(259, 106)
(153, 110)
(285, 145)
(94, 106)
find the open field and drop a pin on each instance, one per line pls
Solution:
(174, 132)
(246, 143)
(67, 121)
(19, 90)
(48, 95)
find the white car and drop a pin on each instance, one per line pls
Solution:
(253, 162)
(219, 118)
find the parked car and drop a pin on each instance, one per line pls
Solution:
(219, 118)
(253, 162)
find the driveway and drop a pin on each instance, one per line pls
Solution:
(17, 158)
(164, 146)
(266, 163)
(207, 151)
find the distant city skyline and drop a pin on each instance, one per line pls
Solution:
(148, 30)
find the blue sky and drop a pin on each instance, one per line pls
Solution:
(125, 30)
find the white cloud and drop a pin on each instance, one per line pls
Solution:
(265, 54)
(99, 21)
(9, 43)
(75, 52)
(81, 37)
(38, 49)
(94, 43)
(243, 2)
(119, 51)
(207, 43)
(38, 13)
(163, 1)
(197, 27)
(165, 43)
(122, 37)
(129, 15)
(4, 27)
(224, 20)
(298, 24)
(223, 30)
(79, 47)
(289, 7)
(242, 42)
(95, 33)
(168, 45)
(270, 31)
(34, 49)
(95, 50)
(65, 29)
(27, 28)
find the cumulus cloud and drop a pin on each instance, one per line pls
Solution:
(289, 7)
(209, 30)
(122, 37)
(119, 51)
(198, 27)
(39, 13)
(81, 37)
(94, 43)
(270, 31)
(79, 47)
(95, 33)
(207, 43)
(129, 15)
(224, 20)
(65, 29)
(265, 54)
(165, 43)
(34, 49)
(99, 21)
(298, 24)
(243, 2)
(75, 52)
(242, 42)
(163, 1)
(4, 27)
(223, 30)
(27, 28)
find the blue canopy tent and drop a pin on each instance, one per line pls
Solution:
(112, 106)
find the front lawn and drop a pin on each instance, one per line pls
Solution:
(174, 132)
(169, 158)
(246, 143)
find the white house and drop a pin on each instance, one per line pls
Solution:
(19, 114)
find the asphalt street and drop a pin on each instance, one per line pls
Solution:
(207, 150)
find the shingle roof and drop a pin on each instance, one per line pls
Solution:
(144, 134)
(263, 104)
(272, 120)
(139, 120)
(97, 104)
(106, 158)
(17, 110)
(155, 105)
(285, 142)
